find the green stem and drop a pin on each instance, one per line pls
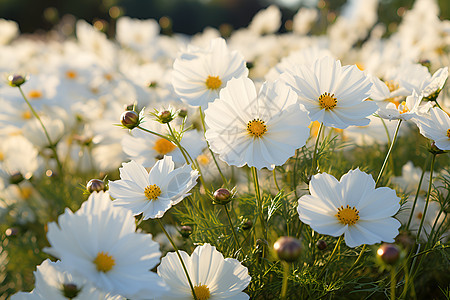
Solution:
(430, 184)
(275, 179)
(417, 193)
(393, 283)
(179, 256)
(232, 228)
(285, 280)
(356, 261)
(330, 257)
(51, 144)
(389, 152)
(259, 201)
(202, 117)
(314, 159)
(177, 142)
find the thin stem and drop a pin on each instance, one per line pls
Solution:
(417, 193)
(393, 283)
(177, 142)
(314, 159)
(430, 184)
(285, 280)
(202, 117)
(232, 228)
(275, 179)
(356, 261)
(259, 201)
(51, 144)
(152, 132)
(330, 257)
(179, 256)
(389, 152)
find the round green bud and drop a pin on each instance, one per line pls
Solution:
(16, 178)
(16, 80)
(222, 196)
(288, 248)
(165, 116)
(95, 185)
(70, 290)
(389, 253)
(129, 119)
(321, 245)
(185, 231)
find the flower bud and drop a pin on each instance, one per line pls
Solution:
(182, 113)
(222, 196)
(389, 253)
(165, 116)
(153, 84)
(247, 224)
(129, 119)
(129, 106)
(288, 248)
(16, 178)
(186, 231)
(95, 185)
(16, 80)
(321, 245)
(70, 290)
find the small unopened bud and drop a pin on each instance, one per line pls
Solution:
(129, 107)
(247, 224)
(153, 84)
(425, 63)
(288, 248)
(389, 253)
(250, 65)
(16, 178)
(182, 113)
(13, 231)
(16, 80)
(95, 185)
(129, 119)
(186, 231)
(70, 290)
(321, 245)
(222, 196)
(165, 116)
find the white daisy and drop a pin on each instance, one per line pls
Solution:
(100, 243)
(332, 94)
(351, 206)
(406, 110)
(260, 130)
(199, 74)
(212, 276)
(436, 127)
(152, 193)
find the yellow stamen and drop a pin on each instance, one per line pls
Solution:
(26, 115)
(71, 74)
(34, 94)
(203, 159)
(104, 262)
(392, 85)
(402, 108)
(213, 82)
(152, 192)
(202, 292)
(448, 133)
(163, 146)
(327, 101)
(256, 128)
(348, 215)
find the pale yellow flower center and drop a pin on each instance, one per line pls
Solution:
(71, 74)
(448, 133)
(104, 262)
(26, 115)
(2, 156)
(202, 292)
(152, 192)
(402, 108)
(203, 159)
(163, 146)
(256, 127)
(213, 82)
(392, 86)
(348, 215)
(327, 101)
(34, 94)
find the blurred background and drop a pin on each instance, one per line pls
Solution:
(180, 16)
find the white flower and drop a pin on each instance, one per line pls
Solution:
(436, 127)
(351, 206)
(332, 94)
(213, 276)
(136, 34)
(99, 242)
(199, 74)
(53, 282)
(260, 130)
(404, 111)
(266, 20)
(155, 192)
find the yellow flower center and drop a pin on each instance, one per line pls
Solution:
(34, 94)
(348, 215)
(26, 115)
(152, 192)
(402, 108)
(327, 101)
(256, 127)
(163, 146)
(202, 292)
(213, 82)
(203, 159)
(2, 156)
(392, 86)
(448, 133)
(104, 262)
(71, 74)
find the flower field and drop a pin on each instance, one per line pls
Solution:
(255, 163)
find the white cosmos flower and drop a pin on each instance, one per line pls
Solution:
(100, 243)
(199, 74)
(436, 127)
(260, 130)
(351, 206)
(152, 193)
(212, 276)
(406, 110)
(53, 282)
(332, 94)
